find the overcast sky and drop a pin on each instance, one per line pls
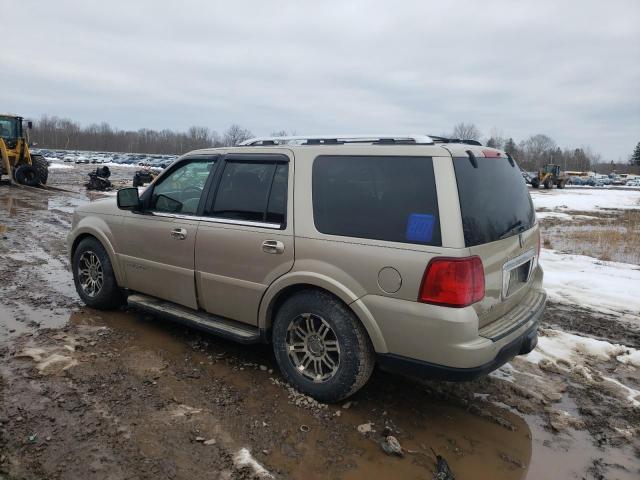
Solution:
(570, 69)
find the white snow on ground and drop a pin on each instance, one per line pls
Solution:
(574, 351)
(59, 166)
(559, 345)
(243, 458)
(563, 216)
(585, 200)
(114, 164)
(608, 287)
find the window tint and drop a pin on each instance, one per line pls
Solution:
(494, 201)
(252, 191)
(277, 209)
(382, 198)
(180, 190)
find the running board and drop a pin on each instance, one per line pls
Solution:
(230, 329)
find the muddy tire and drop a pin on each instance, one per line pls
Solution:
(136, 181)
(27, 175)
(535, 183)
(548, 184)
(561, 185)
(321, 347)
(41, 167)
(93, 276)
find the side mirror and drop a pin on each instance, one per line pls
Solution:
(128, 199)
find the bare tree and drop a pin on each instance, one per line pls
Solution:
(466, 131)
(62, 133)
(235, 134)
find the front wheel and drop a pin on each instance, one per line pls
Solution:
(321, 347)
(93, 276)
(27, 175)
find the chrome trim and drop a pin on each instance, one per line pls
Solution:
(515, 263)
(342, 137)
(228, 221)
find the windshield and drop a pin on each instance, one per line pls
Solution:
(8, 127)
(494, 200)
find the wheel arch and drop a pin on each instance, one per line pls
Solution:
(287, 286)
(104, 241)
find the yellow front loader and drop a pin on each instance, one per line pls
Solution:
(16, 161)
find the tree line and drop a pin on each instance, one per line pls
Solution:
(65, 134)
(539, 149)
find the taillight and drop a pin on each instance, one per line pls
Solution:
(453, 282)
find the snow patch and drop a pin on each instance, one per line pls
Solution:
(243, 458)
(60, 166)
(558, 345)
(585, 200)
(609, 287)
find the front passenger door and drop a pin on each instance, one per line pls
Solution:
(157, 254)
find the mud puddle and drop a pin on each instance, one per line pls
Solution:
(148, 394)
(159, 388)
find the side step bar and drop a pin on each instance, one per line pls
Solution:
(230, 329)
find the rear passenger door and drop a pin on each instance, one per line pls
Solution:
(245, 239)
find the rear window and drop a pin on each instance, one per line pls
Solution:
(494, 199)
(389, 198)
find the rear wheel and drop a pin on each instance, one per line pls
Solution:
(535, 183)
(41, 167)
(548, 184)
(321, 347)
(560, 185)
(93, 276)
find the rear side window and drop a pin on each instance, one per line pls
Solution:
(389, 198)
(252, 191)
(494, 200)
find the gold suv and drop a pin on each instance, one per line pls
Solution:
(419, 254)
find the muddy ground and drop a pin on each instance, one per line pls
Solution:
(121, 395)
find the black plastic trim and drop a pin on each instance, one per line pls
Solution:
(521, 345)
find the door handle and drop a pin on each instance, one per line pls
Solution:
(272, 246)
(178, 233)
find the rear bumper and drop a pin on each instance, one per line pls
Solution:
(522, 344)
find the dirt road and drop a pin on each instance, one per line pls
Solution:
(94, 395)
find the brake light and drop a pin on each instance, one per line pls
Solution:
(453, 282)
(491, 154)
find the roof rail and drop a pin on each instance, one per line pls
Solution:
(339, 140)
(455, 140)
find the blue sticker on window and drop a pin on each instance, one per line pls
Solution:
(420, 227)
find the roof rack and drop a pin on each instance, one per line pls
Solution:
(437, 139)
(339, 140)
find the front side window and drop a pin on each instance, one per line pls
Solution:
(252, 191)
(389, 198)
(180, 190)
